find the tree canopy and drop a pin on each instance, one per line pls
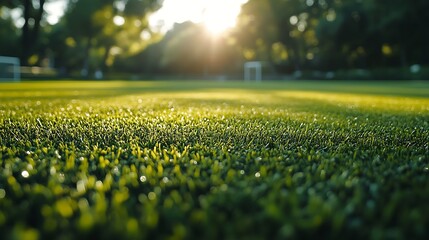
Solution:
(289, 35)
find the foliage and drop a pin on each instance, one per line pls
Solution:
(330, 35)
(85, 36)
(32, 15)
(91, 25)
(207, 160)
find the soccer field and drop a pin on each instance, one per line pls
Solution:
(214, 160)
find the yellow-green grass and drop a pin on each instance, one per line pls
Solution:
(214, 160)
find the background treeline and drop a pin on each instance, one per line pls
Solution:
(327, 38)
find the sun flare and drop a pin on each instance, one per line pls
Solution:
(219, 16)
(216, 15)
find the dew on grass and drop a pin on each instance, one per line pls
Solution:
(25, 174)
(57, 154)
(61, 177)
(321, 184)
(80, 186)
(142, 178)
(151, 196)
(98, 184)
(83, 203)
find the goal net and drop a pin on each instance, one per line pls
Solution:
(253, 71)
(9, 69)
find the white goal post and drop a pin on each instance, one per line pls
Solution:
(10, 69)
(257, 67)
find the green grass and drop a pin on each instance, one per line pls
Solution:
(204, 160)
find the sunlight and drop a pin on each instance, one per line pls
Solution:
(219, 16)
(216, 15)
(55, 10)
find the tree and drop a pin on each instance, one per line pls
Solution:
(373, 34)
(256, 30)
(332, 34)
(343, 33)
(32, 14)
(401, 25)
(97, 26)
(279, 31)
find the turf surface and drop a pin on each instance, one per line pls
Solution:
(207, 160)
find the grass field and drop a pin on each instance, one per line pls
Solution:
(207, 160)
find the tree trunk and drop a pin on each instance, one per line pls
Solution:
(37, 19)
(25, 37)
(404, 59)
(85, 67)
(104, 66)
(30, 34)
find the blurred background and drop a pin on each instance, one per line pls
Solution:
(214, 39)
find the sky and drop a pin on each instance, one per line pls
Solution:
(217, 15)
